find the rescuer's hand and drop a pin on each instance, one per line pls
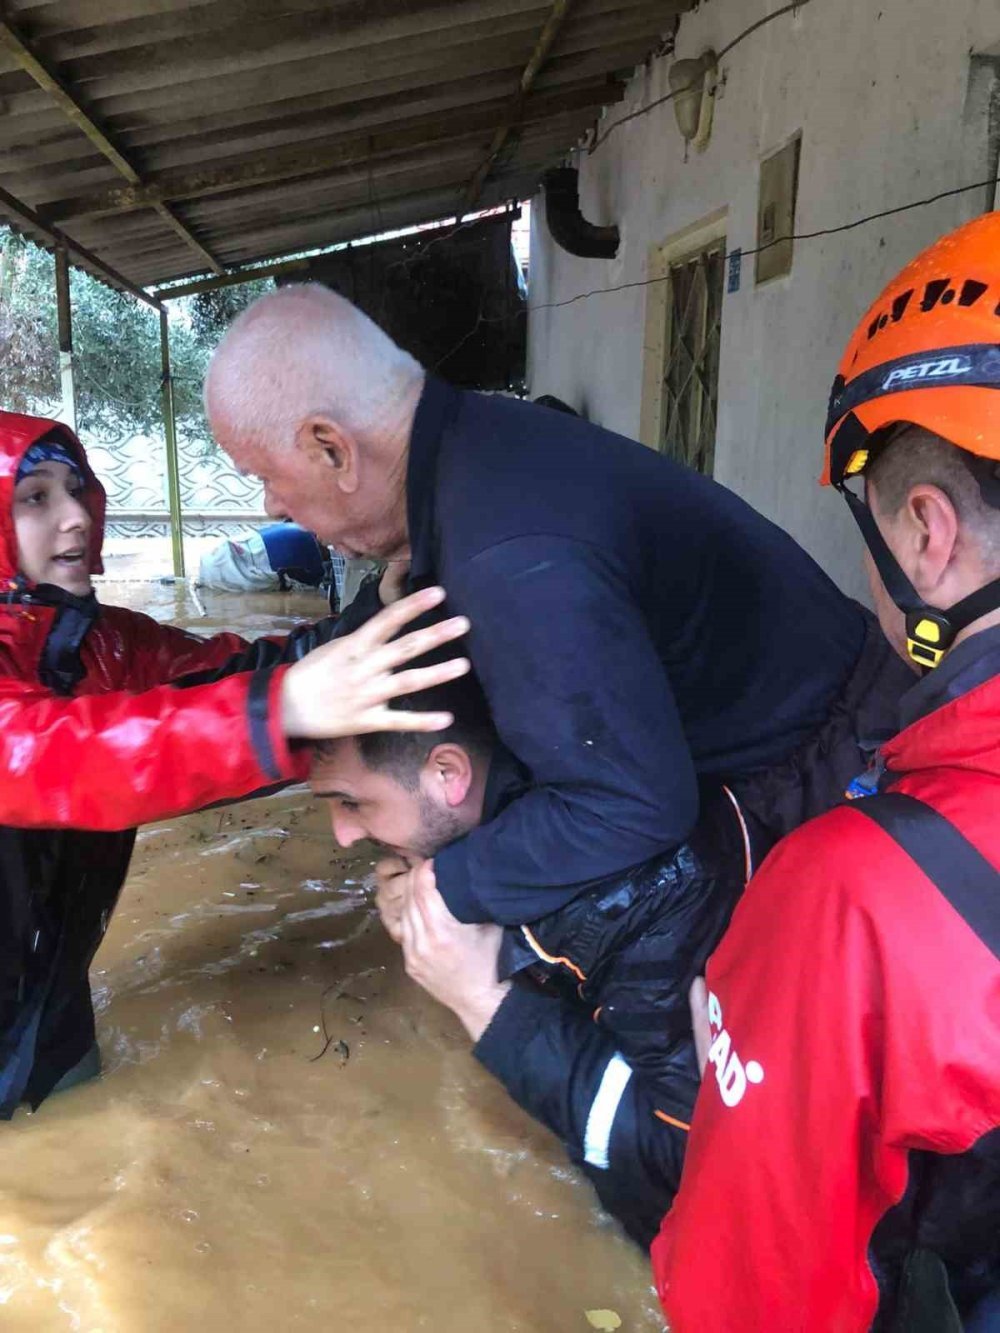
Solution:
(698, 1000)
(343, 688)
(453, 961)
(390, 893)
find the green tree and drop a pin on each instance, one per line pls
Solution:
(116, 344)
(212, 312)
(28, 348)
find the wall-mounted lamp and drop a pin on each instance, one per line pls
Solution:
(693, 83)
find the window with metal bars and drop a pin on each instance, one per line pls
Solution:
(691, 363)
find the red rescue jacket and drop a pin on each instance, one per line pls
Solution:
(852, 1094)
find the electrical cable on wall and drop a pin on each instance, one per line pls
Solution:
(759, 249)
(669, 97)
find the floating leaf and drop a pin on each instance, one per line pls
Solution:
(604, 1320)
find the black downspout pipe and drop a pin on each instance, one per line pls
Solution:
(568, 226)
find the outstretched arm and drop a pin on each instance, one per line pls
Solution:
(111, 761)
(163, 654)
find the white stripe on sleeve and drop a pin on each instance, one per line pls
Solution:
(597, 1136)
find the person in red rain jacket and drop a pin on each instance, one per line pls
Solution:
(843, 1170)
(108, 719)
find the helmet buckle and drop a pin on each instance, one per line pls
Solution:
(929, 635)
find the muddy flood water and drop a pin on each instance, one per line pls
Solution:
(288, 1134)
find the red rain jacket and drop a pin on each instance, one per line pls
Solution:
(127, 748)
(855, 1018)
(107, 719)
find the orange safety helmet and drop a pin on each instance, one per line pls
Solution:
(927, 352)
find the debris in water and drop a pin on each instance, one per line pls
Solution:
(604, 1320)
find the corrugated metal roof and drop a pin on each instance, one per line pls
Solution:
(167, 136)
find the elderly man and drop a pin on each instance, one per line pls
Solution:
(638, 629)
(415, 794)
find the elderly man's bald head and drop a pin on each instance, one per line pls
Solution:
(307, 393)
(303, 350)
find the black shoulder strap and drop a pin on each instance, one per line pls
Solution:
(960, 871)
(61, 668)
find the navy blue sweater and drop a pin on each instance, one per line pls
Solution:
(634, 625)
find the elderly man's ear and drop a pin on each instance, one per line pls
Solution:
(330, 446)
(449, 771)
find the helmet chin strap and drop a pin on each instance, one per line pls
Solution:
(930, 632)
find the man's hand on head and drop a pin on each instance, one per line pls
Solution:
(453, 961)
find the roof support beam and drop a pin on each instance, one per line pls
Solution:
(19, 51)
(278, 267)
(64, 309)
(236, 277)
(27, 220)
(170, 441)
(543, 46)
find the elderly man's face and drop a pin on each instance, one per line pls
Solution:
(413, 822)
(295, 486)
(304, 482)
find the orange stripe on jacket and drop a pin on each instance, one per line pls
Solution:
(677, 1124)
(548, 958)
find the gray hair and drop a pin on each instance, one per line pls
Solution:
(913, 456)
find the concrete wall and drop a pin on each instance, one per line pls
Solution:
(891, 107)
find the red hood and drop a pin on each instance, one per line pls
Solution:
(17, 434)
(964, 733)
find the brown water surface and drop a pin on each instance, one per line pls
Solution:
(287, 1134)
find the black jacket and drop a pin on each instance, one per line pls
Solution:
(635, 627)
(624, 955)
